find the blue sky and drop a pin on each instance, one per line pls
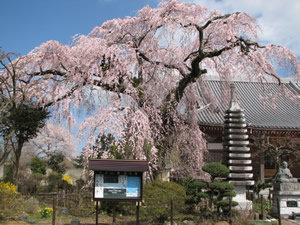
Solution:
(25, 24)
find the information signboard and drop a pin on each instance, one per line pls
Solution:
(118, 180)
(291, 204)
(117, 186)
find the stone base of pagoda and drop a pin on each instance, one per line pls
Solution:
(240, 198)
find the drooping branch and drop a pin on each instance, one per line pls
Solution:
(68, 94)
(166, 65)
(50, 71)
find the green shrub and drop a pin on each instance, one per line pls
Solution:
(219, 190)
(56, 163)
(259, 185)
(195, 191)
(63, 184)
(122, 208)
(8, 193)
(8, 172)
(79, 184)
(30, 184)
(38, 165)
(54, 181)
(267, 206)
(224, 203)
(216, 169)
(158, 196)
(221, 187)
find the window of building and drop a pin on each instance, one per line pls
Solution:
(269, 162)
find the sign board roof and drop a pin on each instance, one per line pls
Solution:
(118, 165)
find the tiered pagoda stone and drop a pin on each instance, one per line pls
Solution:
(236, 145)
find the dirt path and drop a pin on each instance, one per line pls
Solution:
(289, 222)
(103, 220)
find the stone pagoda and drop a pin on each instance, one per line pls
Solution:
(237, 150)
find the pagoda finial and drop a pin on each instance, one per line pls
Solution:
(234, 105)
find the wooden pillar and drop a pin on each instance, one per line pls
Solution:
(230, 210)
(262, 166)
(97, 211)
(172, 211)
(54, 211)
(137, 213)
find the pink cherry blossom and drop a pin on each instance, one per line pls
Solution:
(147, 65)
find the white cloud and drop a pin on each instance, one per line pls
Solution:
(279, 19)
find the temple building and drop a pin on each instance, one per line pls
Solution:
(272, 115)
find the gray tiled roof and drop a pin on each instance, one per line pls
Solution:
(266, 105)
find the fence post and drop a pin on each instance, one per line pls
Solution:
(64, 198)
(269, 197)
(172, 211)
(114, 213)
(262, 207)
(54, 211)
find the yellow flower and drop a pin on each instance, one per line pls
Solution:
(67, 179)
(8, 188)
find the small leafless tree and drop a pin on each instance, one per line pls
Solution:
(280, 149)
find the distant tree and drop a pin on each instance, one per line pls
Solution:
(56, 162)
(20, 116)
(54, 138)
(38, 165)
(78, 161)
(105, 147)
